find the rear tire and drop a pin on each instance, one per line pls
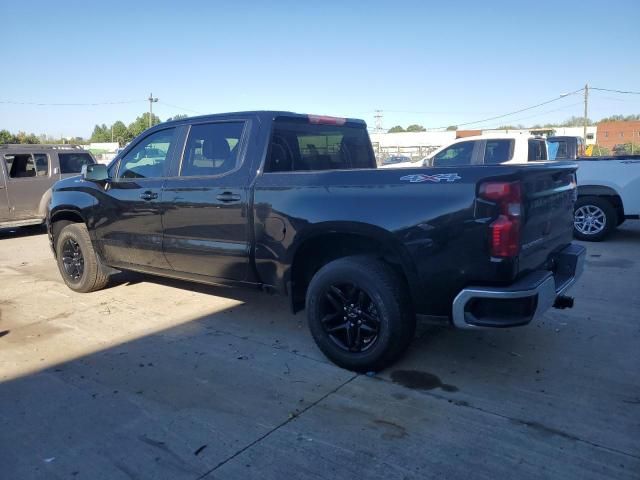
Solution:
(594, 218)
(77, 260)
(359, 313)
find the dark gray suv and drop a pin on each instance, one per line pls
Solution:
(27, 173)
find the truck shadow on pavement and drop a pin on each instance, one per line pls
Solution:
(22, 231)
(241, 391)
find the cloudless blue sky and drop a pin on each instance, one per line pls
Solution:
(433, 63)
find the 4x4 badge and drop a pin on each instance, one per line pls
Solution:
(437, 178)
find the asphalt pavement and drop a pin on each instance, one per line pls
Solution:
(161, 379)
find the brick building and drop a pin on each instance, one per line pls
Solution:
(611, 134)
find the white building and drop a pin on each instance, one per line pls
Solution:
(104, 152)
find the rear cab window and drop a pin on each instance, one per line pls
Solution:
(498, 151)
(73, 162)
(537, 150)
(298, 144)
(558, 149)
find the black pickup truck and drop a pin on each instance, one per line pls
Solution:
(295, 204)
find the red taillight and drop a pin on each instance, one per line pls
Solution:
(505, 230)
(325, 120)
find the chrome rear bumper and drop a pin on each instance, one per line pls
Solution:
(522, 302)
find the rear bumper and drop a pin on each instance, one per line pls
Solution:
(522, 302)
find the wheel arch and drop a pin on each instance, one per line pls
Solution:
(60, 218)
(608, 193)
(326, 243)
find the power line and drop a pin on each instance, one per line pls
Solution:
(618, 99)
(615, 91)
(39, 104)
(181, 108)
(566, 107)
(514, 112)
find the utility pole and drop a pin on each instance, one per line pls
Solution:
(586, 106)
(152, 99)
(378, 117)
(112, 133)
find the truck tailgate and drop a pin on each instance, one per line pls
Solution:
(547, 212)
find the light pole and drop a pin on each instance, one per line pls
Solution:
(586, 103)
(151, 101)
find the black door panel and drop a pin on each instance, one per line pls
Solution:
(206, 227)
(205, 235)
(131, 230)
(129, 217)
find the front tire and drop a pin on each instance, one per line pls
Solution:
(77, 260)
(594, 218)
(360, 313)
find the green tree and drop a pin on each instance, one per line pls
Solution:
(452, 128)
(23, 137)
(621, 118)
(180, 116)
(141, 123)
(416, 128)
(396, 129)
(627, 148)
(100, 134)
(574, 122)
(7, 137)
(120, 133)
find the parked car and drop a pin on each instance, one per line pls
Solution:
(565, 147)
(27, 173)
(394, 160)
(608, 194)
(490, 150)
(608, 188)
(295, 204)
(401, 162)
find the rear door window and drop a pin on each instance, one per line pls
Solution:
(212, 149)
(537, 150)
(457, 154)
(498, 151)
(73, 162)
(299, 145)
(26, 165)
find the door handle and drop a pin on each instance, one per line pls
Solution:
(148, 195)
(228, 197)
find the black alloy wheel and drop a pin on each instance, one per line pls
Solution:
(350, 317)
(77, 261)
(360, 313)
(72, 259)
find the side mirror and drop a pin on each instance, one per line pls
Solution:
(95, 172)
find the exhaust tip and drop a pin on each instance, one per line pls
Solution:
(563, 301)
